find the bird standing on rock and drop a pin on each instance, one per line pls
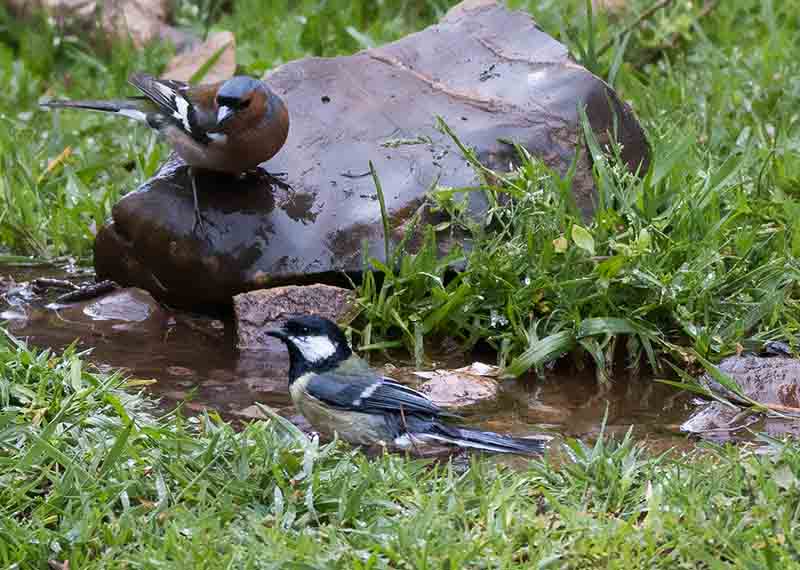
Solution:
(231, 126)
(338, 392)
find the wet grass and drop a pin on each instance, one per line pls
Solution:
(698, 256)
(89, 475)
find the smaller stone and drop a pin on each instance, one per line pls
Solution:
(717, 421)
(258, 311)
(462, 387)
(252, 412)
(765, 379)
(126, 311)
(128, 305)
(179, 371)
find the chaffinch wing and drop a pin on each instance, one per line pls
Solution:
(231, 126)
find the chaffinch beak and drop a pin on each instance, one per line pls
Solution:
(277, 333)
(223, 114)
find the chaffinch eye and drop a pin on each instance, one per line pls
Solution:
(233, 103)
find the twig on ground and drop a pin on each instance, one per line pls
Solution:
(635, 24)
(88, 292)
(654, 54)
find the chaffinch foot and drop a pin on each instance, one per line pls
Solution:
(231, 126)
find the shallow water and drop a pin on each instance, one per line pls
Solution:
(194, 361)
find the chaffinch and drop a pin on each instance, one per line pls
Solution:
(338, 393)
(231, 126)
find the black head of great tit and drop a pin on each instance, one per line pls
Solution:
(338, 393)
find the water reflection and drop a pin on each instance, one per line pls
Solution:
(194, 360)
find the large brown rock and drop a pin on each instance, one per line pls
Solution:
(491, 74)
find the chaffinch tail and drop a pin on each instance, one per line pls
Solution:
(337, 392)
(231, 126)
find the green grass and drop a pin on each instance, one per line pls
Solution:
(694, 258)
(88, 474)
(697, 255)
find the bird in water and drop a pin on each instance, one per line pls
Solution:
(338, 393)
(231, 126)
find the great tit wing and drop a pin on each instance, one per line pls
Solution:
(370, 394)
(173, 100)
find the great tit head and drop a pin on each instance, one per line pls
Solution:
(314, 342)
(239, 95)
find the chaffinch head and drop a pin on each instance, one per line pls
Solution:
(231, 126)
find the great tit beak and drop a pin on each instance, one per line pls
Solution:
(277, 333)
(223, 114)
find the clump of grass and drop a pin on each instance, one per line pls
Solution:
(698, 255)
(672, 259)
(92, 475)
(60, 173)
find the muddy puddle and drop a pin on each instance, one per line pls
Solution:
(194, 362)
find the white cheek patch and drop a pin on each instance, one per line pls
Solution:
(218, 137)
(314, 348)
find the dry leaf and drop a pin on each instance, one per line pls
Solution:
(219, 51)
(460, 387)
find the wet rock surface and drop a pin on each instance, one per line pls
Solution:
(124, 311)
(260, 310)
(772, 378)
(491, 74)
(126, 306)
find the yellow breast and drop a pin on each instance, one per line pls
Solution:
(353, 427)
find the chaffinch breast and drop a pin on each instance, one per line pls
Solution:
(231, 126)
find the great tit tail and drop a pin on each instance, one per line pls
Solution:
(485, 440)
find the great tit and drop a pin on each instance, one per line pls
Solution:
(338, 392)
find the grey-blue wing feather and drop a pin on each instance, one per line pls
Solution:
(370, 394)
